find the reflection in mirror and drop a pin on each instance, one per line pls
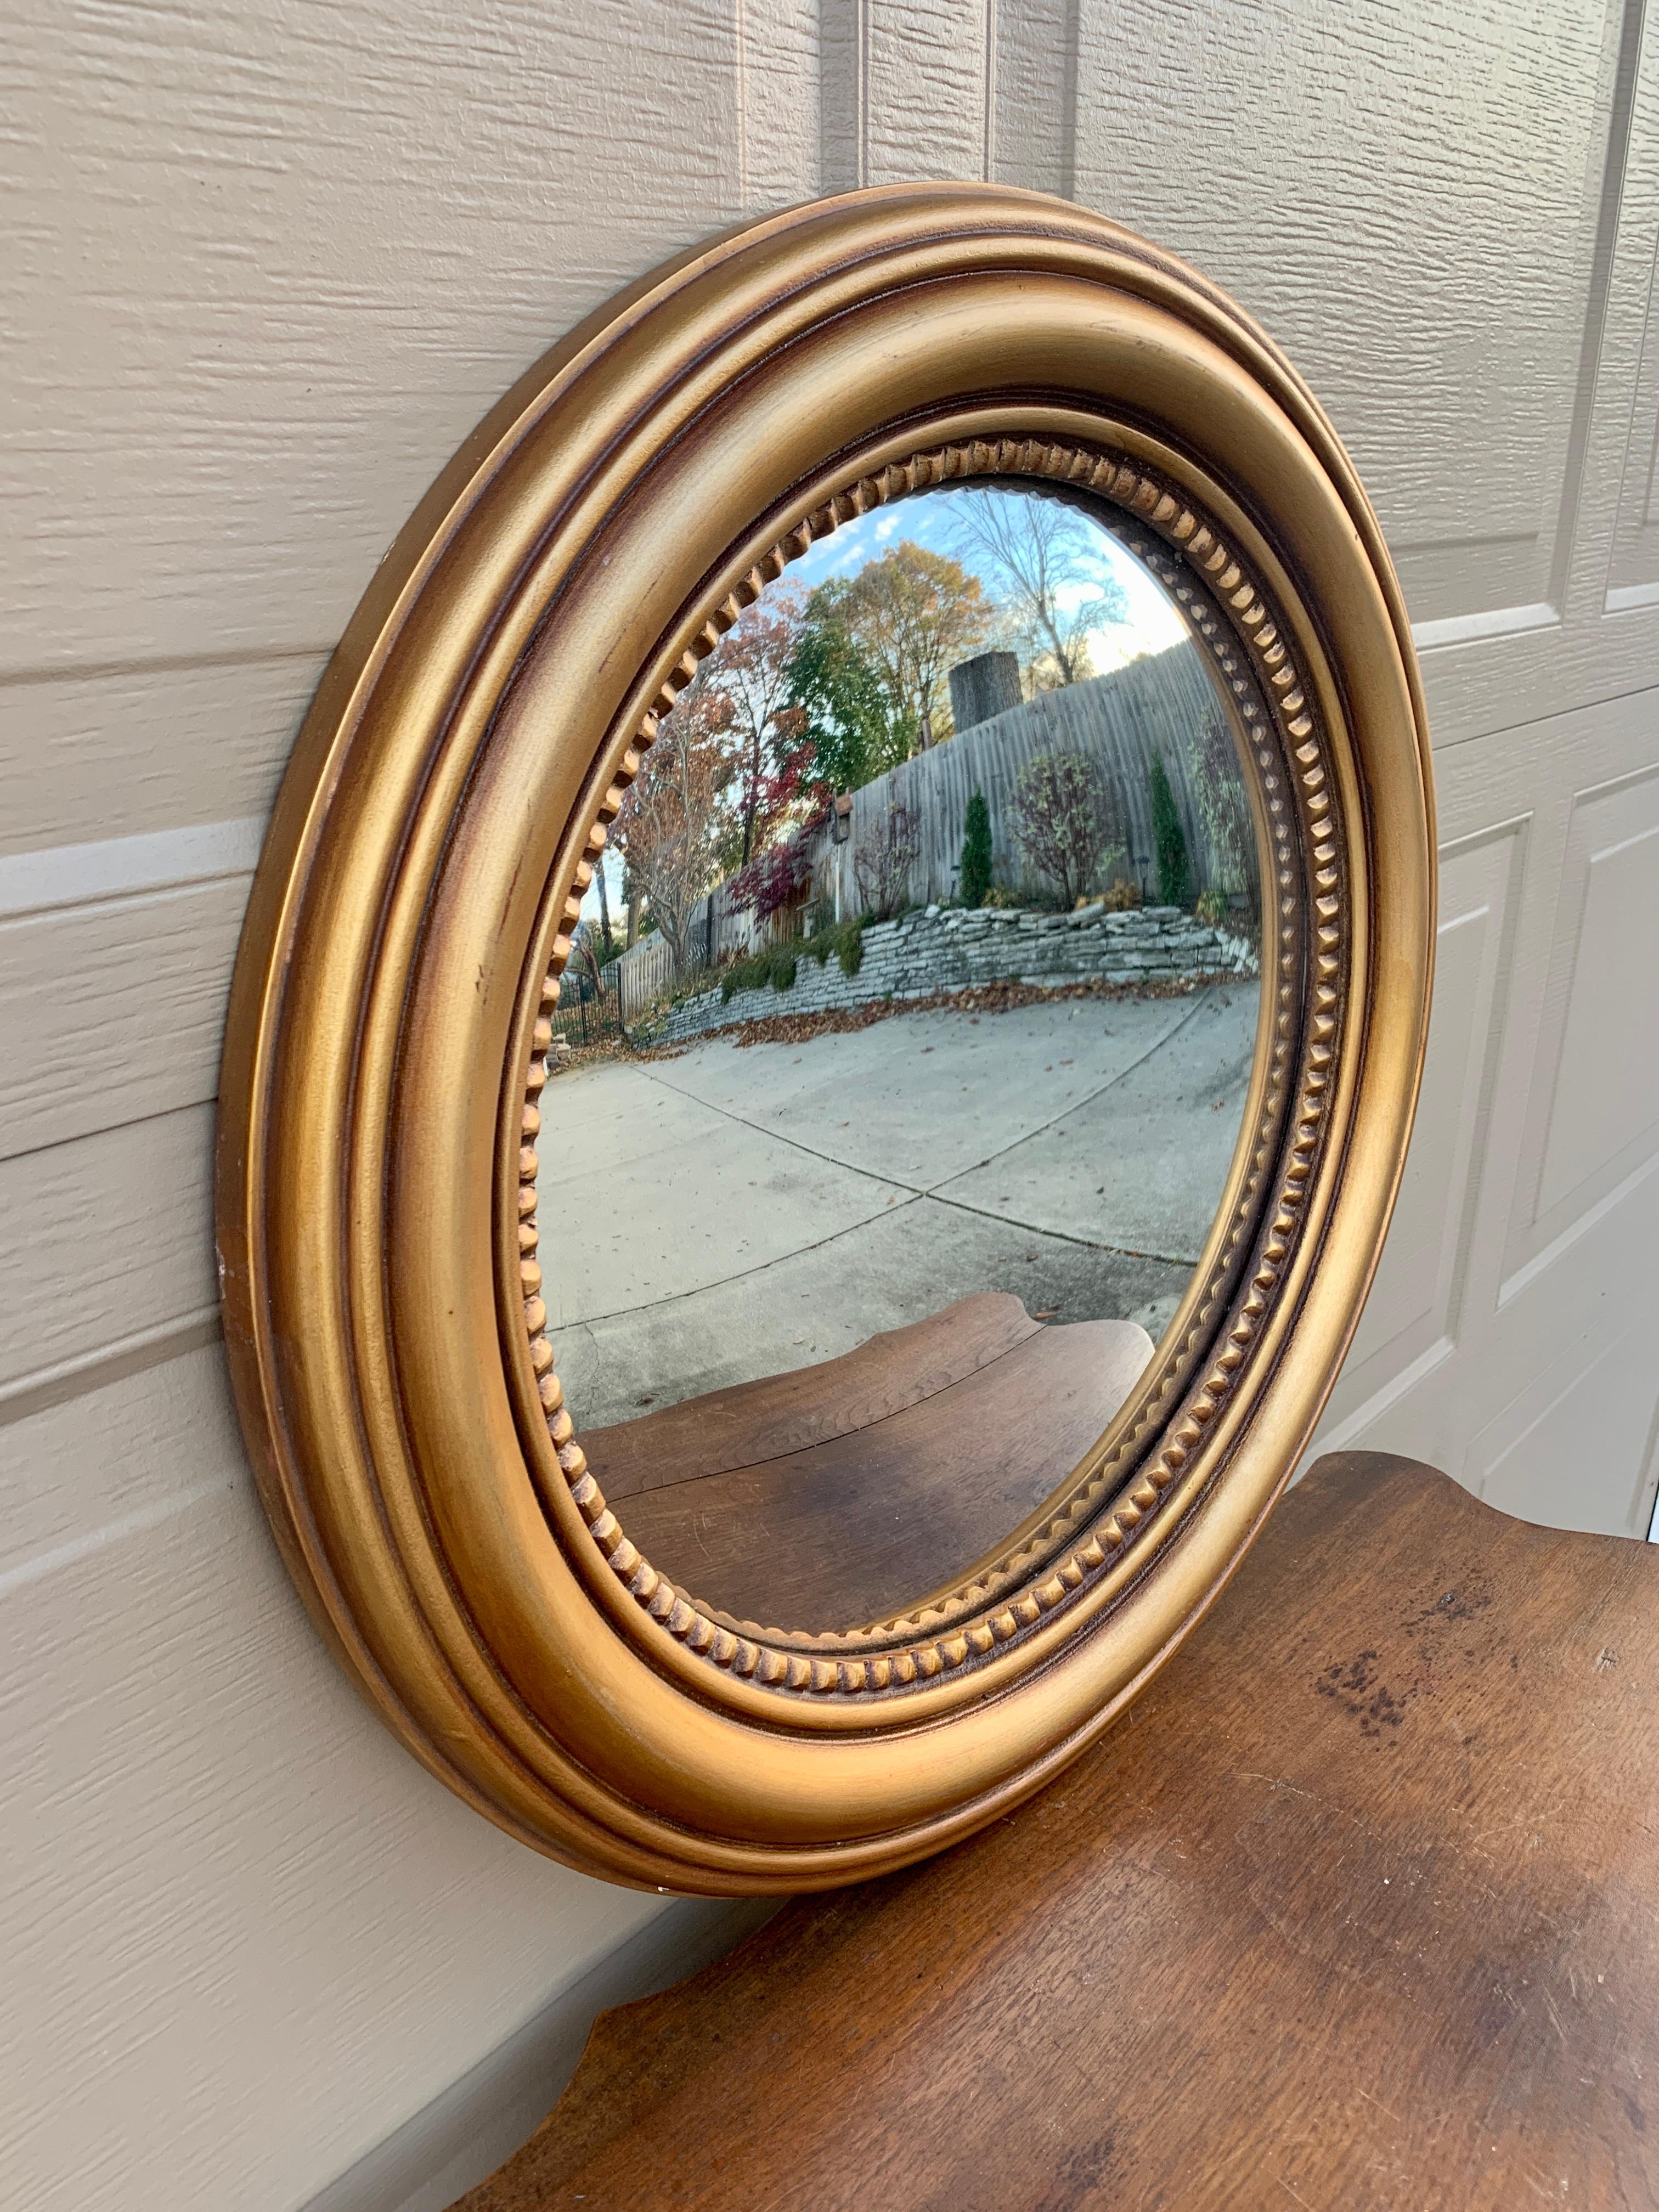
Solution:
(899, 1061)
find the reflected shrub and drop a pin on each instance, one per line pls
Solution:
(778, 964)
(847, 943)
(881, 866)
(1168, 841)
(974, 879)
(775, 964)
(1064, 818)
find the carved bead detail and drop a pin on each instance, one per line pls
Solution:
(1096, 1519)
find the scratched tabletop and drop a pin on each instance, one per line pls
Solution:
(1358, 1907)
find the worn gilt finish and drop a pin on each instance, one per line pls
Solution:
(383, 1105)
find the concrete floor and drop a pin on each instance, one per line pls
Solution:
(727, 1213)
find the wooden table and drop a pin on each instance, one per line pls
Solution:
(1359, 1907)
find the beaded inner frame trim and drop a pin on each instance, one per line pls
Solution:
(1102, 1512)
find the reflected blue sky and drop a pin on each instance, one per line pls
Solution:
(932, 519)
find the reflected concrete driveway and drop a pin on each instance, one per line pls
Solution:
(728, 1212)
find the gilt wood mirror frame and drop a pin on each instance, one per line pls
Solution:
(385, 1246)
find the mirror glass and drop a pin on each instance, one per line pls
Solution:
(900, 1062)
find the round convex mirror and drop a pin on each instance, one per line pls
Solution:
(825, 1036)
(901, 1056)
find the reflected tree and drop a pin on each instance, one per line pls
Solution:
(845, 710)
(1044, 561)
(1168, 839)
(752, 666)
(882, 864)
(607, 940)
(669, 830)
(974, 876)
(1223, 806)
(913, 614)
(1065, 820)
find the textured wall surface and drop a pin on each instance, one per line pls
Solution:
(264, 266)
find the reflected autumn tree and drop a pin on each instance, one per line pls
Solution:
(846, 711)
(673, 816)
(752, 666)
(912, 616)
(803, 697)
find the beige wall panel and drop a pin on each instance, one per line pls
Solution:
(779, 95)
(1593, 1112)
(1507, 1390)
(904, 90)
(81, 1474)
(310, 245)
(930, 109)
(1630, 360)
(107, 1254)
(1033, 137)
(1401, 179)
(1633, 572)
(1575, 1450)
(147, 748)
(114, 1011)
(1406, 195)
(1411, 1313)
(1545, 1299)
(1481, 683)
(1595, 1290)
(1606, 1083)
(1531, 771)
(254, 1935)
(1633, 566)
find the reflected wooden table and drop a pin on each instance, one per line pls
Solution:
(841, 1492)
(1359, 1907)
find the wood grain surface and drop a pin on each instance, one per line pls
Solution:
(787, 1413)
(838, 1493)
(1355, 1910)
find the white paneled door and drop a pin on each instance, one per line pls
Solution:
(262, 266)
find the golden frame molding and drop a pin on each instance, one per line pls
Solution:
(381, 1111)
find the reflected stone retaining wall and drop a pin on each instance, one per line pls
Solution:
(928, 951)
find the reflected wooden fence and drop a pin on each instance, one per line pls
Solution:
(643, 975)
(1122, 721)
(646, 972)
(587, 1015)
